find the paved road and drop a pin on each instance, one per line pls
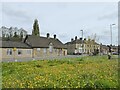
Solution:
(41, 58)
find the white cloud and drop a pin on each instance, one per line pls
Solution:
(63, 19)
(59, 0)
(15, 14)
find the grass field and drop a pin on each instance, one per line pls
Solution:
(86, 72)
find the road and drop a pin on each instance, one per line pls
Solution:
(41, 58)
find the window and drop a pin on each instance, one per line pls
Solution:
(44, 50)
(55, 50)
(84, 45)
(81, 45)
(28, 51)
(51, 48)
(19, 52)
(38, 49)
(9, 51)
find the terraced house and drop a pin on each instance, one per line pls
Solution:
(45, 46)
(79, 46)
(32, 47)
(13, 50)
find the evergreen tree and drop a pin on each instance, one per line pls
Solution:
(35, 28)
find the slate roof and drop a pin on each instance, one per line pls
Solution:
(13, 44)
(104, 47)
(12, 39)
(75, 42)
(78, 41)
(115, 47)
(43, 42)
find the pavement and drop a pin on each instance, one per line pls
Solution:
(41, 58)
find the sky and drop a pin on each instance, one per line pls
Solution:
(65, 19)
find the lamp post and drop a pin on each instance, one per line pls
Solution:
(82, 41)
(111, 38)
(111, 31)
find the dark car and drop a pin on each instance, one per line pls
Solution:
(77, 53)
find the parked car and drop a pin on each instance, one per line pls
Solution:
(114, 53)
(77, 53)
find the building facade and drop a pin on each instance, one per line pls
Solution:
(79, 46)
(32, 47)
(15, 50)
(105, 49)
(45, 46)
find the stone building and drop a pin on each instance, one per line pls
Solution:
(32, 47)
(45, 46)
(13, 50)
(79, 46)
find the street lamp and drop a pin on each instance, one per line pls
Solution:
(82, 41)
(111, 31)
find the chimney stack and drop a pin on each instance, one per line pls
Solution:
(84, 39)
(75, 37)
(80, 38)
(48, 35)
(71, 39)
(55, 36)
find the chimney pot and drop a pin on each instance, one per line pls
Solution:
(55, 36)
(80, 38)
(71, 39)
(75, 37)
(48, 35)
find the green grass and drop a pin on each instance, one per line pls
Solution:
(86, 72)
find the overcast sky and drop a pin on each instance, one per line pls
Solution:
(64, 19)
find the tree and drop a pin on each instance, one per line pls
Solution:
(92, 40)
(94, 37)
(21, 34)
(7, 37)
(3, 34)
(109, 47)
(15, 34)
(10, 34)
(35, 28)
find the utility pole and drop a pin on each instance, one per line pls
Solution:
(111, 32)
(110, 48)
(82, 41)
